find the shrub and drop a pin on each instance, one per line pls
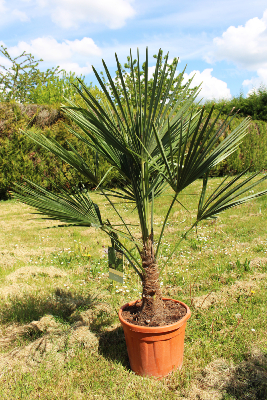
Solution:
(19, 156)
(255, 105)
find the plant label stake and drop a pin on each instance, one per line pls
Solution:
(116, 262)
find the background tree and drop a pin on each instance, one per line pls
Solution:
(172, 84)
(23, 81)
(19, 80)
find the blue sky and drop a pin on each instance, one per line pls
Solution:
(223, 42)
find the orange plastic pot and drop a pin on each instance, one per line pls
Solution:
(155, 351)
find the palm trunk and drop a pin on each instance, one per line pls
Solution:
(152, 311)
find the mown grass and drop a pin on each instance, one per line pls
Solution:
(220, 272)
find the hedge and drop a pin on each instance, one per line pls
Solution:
(20, 157)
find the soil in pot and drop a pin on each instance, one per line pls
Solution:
(173, 312)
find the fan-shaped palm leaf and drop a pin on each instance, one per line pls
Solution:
(74, 208)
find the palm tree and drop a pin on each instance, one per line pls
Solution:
(154, 145)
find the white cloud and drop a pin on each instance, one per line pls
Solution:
(256, 81)
(42, 3)
(22, 16)
(212, 88)
(50, 50)
(9, 14)
(151, 71)
(70, 13)
(74, 67)
(2, 6)
(246, 46)
(5, 62)
(46, 48)
(70, 55)
(85, 46)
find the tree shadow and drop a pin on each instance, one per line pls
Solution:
(249, 379)
(66, 307)
(112, 346)
(244, 381)
(31, 307)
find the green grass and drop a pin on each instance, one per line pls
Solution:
(220, 272)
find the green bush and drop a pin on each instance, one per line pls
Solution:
(20, 157)
(252, 153)
(255, 105)
(55, 89)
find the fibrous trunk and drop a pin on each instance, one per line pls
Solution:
(152, 311)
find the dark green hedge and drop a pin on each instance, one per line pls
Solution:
(252, 152)
(20, 157)
(255, 105)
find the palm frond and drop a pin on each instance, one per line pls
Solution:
(73, 208)
(228, 195)
(71, 157)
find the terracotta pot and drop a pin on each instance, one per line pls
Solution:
(155, 351)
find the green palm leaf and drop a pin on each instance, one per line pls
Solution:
(73, 208)
(228, 195)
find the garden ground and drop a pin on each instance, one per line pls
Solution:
(60, 334)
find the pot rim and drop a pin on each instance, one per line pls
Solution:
(155, 329)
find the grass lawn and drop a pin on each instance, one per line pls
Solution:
(60, 337)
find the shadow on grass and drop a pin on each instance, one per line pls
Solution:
(246, 380)
(113, 347)
(31, 307)
(249, 379)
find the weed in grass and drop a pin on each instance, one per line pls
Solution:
(259, 248)
(195, 244)
(243, 266)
